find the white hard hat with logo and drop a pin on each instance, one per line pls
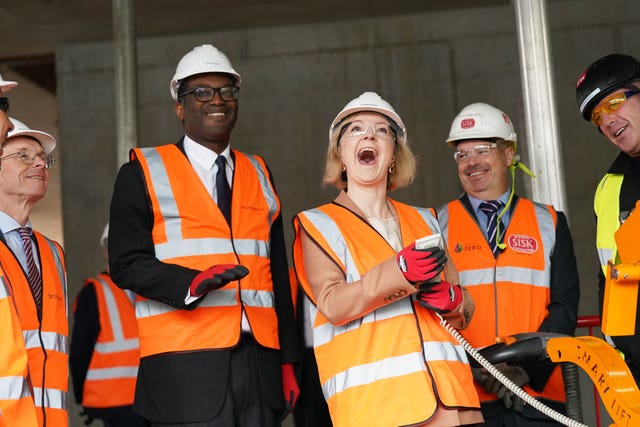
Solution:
(370, 101)
(481, 121)
(47, 141)
(201, 59)
(6, 85)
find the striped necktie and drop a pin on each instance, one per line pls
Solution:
(491, 209)
(35, 281)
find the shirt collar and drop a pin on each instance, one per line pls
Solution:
(203, 156)
(475, 203)
(8, 224)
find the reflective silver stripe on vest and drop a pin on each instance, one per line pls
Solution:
(267, 191)
(13, 388)
(62, 276)
(372, 372)
(443, 350)
(4, 293)
(119, 343)
(605, 255)
(176, 245)
(112, 373)
(53, 398)
(260, 299)
(52, 341)
(218, 298)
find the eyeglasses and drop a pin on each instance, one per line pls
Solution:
(29, 157)
(207, 93)
(357, 130)
(610, 104)
(4, 104)
(483, 150)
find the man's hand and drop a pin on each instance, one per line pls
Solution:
(420, 265)
(491, 384)
(216, 277)
(440, 297)
(289, 386)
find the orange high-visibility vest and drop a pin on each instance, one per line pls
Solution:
(112, 373)
(393, 365)
(190, 230)
(513, 290)
(16, 403)
(46, 339)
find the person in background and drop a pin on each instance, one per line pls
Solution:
(34, 270)
(515, 257)
(196, 232)
(104, 351)
(606, 96)
(383, 357)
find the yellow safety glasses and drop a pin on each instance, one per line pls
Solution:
(610, 104)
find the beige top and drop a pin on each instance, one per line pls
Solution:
(341, 302)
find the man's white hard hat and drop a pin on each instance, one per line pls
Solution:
(202, 59)
(47, 141)
(481, 121)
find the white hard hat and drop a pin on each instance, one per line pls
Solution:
(201, 59)
(370, 101)
(105, 236)
(480, 121)
(6, 85)
(47, 141)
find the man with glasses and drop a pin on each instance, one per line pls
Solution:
(34, 270)
(516, 259)
(196, 232)
(606, 95)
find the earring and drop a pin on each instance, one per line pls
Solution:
(392, 167)
(344, 168)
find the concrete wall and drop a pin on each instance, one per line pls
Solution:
(296, 78)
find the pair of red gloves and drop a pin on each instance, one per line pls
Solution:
(216, 277)
(422, 267)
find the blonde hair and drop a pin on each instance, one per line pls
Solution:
(404, 164)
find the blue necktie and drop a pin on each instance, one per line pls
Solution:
(491, 209)
(223, 192)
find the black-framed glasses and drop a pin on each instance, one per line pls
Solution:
(28, 157)
(4, 104)
(207, 93)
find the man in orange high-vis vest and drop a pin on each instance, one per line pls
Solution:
(196, 232)
(104, 352)
(34, 270)
(514, 256)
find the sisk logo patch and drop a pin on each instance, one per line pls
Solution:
(523, 243)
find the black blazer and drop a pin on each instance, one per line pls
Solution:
(188, 386)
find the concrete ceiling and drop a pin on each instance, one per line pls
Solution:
(32, 28)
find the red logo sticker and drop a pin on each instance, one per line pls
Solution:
(467, 123)
(505, 118)
(523, 243)
(581, 78)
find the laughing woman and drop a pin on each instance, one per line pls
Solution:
(383, 358)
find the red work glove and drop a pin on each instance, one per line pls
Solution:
(216, 277)
(289, 386)
(420, 265)
(440, 297)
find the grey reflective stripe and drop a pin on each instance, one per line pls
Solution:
(605, 255)
(62, 275)
(372, 372)
(53, 398)
(13, 388)
(164, 193)
(52, 341)
(443, 350)
(218, 298)
(443, 220)
(4, 293)
(112, 373)
(428, 217)
(260, 299)
(332, 234)
(521, 275)
(119, 343)
(547, 229)
(324, 333)
(213, 246)
(267, 191)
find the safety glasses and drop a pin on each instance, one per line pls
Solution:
(206, 93)
(610, 104)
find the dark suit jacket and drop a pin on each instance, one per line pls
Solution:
(188, 386)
